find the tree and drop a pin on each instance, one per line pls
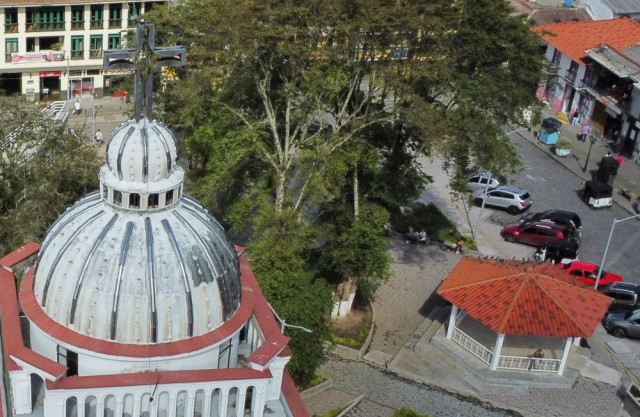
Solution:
(43, 170)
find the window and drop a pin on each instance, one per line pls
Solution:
(153, 200)
(556, 57)
(115, 15)
(95, 46)
(169, 197)
(117, 198)
(77, 17)
(572, 72)
(115, 41)
(10, 20)
(46, 18)
(10, 45)
(134, 200)
(77, 47)
(96, 16)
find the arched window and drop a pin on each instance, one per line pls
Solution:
(109, 406)
(232, 402)
(181, 404)
(169, 197)
(198, 406)
(117, 198)
(134, 200)
(154, 200)
(214, 410)
(163, 404)
(250, 402)
(127, 406)
(71, 407)
(90, 404)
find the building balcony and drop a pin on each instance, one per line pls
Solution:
(95, 53)
(77, 25)
(115, 23)
(96, 24)
(44, 27)
(10, 28)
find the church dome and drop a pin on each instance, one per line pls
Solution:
(138, 262)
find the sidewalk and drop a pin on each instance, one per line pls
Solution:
(628, 174)
(109, 114)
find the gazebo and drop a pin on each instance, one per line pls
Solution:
(520, 298)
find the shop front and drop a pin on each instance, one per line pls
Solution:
(50, 83)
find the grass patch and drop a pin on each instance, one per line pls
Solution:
(331, 413)
(428, 217)
(352, 331)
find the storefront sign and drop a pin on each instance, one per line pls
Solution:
(31, 57)
(50, 74)
(118, 72)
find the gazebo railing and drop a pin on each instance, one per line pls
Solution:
(532, 364)
(475, 348)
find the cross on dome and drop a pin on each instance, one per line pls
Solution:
(143, 60)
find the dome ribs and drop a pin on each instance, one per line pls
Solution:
(152, 278)
(183, 273)
(165, 143)
(144, 134)
(68, 243)
(121, 151)
(87, 261)
(124, 251)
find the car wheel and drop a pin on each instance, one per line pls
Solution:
(477, 202)
(513, 210)
(510, 238)
(618, 332)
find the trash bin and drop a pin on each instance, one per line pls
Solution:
(549, 133)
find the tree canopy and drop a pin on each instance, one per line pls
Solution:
(43, 170)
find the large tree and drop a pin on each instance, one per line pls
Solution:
(43, 170)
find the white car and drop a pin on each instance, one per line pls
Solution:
(512, 199)
(479, 181)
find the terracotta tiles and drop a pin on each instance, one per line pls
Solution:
(20, 254)
(524, 298)
(574, 38)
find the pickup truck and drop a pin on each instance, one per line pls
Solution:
(626, 296)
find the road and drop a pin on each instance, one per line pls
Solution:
(553, 186)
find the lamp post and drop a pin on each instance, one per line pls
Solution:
(592, 140)
(606, 249)
(93, 122)
(68, 87)
(284, 324)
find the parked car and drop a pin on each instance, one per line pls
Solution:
(536, 233)
(513, 199)
(565, 218)
(622, 324)
(587, 272)
(558, 250)
(479, 181)
(626, 295)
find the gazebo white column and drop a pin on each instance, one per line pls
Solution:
(497, 349)
(565, 355)
(452, 321)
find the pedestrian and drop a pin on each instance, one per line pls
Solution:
(98, 138)
(534, 359)
(78, 108)
(585, 131)
(576, 118)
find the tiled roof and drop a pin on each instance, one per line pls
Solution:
(574, 38)
(521, 298)
(558, 15)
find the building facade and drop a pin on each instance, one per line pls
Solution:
(51, 48)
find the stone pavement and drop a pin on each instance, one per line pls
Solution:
(109, 113)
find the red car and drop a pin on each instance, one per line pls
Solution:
(588, 272)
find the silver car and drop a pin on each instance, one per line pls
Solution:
(512, 199)
(621, 324)
(480, 181)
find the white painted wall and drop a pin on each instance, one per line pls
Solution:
(597, 9)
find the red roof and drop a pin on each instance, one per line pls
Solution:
(574, 38)
(520, 298)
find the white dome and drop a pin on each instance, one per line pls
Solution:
(138, 262)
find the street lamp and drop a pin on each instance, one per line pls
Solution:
(93, 122)
(606, 249)
(592, 140)
(284, 324)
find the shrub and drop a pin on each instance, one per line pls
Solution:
(563, 143)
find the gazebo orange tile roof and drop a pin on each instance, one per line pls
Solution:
(519, 298)
(574, 38)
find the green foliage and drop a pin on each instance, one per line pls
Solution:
(563, 143)
(277, 258)
(330, 413)
(359, 339)
(43, 170)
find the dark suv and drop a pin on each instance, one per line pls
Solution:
(536, 233)
(626, 295)
(565, 218)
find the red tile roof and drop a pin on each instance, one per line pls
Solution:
(574, 38)
(521, 298)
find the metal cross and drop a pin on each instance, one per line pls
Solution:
(143, 60)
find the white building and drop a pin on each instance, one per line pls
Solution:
(611, 9)
(50, 47)
(137, 304)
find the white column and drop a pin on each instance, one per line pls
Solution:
(119, 400)
(258, 400)
(452, 321)
(576, 341)
(136, 405)
(497, 349)
(191, 404)
(224, 400)
(206, 408)
(21, 392)
(235, 344)
(173, 402)
(565, 355)
(242, 392)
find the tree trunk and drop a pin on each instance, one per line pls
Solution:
(280, 189)
(356, 200)
(343, 298)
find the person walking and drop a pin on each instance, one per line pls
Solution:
(98, 138)
(585, 131)
(78, 108)
(576, 118)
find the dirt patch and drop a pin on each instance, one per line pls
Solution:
(349, 327)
